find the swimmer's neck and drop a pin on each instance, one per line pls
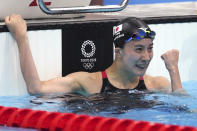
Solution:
(120, 74)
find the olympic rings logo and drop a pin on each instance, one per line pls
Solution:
(93, 48)
(88, 65)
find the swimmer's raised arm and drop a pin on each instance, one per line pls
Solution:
(162, 84)
(171, 58)
(17, 26)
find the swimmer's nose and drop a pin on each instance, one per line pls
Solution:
(146, 55)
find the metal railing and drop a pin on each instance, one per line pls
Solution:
(84, 9)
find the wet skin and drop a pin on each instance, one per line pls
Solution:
(137, 56)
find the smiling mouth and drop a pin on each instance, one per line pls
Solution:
(142, 66)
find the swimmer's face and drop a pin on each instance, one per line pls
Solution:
(136, 55)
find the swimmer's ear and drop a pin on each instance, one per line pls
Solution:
(118, 51)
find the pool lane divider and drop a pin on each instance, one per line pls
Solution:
(56, 121)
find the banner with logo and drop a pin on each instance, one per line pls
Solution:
(87, 47)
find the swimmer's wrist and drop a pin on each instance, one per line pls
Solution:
(21, 39)
(173, 69)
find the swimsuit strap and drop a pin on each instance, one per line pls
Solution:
(141, 77)
(104, 74)
(105, 81)
(141, 85)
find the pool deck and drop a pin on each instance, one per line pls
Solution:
(159, 10)
(179, 10)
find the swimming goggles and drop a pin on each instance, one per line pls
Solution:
(141, 34)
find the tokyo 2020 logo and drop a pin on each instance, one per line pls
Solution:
(83, 48)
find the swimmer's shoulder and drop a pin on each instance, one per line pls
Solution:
(91, 82)
(157, 83)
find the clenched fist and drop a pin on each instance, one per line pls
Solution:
(17, 26)
(171, 58)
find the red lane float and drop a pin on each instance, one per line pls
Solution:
(55, 121)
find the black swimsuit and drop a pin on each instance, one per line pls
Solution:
(108, 87)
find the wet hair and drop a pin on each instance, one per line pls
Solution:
(125, 29)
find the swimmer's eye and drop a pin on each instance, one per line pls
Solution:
(139, 49)
(150, 48)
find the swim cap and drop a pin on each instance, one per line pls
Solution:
(131, 28)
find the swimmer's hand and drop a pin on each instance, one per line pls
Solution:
(171, 58)
(17, 26)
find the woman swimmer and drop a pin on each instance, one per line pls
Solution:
(133, 41)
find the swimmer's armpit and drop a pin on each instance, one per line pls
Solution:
(161, 90)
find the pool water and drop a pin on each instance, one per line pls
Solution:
(136, 105)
